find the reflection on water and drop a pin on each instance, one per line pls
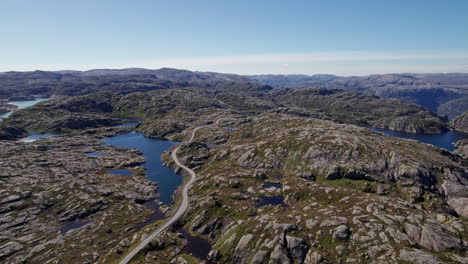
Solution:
(155, 216)
(196, 246)
(35, 137)
(130, 123)
(152, 149)
(444, 140)
(24, 104)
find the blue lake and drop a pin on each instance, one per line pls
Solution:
(24, 104)
(152, 149)
(444, 140)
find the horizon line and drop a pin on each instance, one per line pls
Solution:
(221, 72)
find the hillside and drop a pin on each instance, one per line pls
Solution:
(283, 176)
(131, 100)
(461, 122)
(436, 92)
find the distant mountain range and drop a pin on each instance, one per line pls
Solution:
(444, 94)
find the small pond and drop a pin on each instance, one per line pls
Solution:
(73, 225)
(196, 246)
(267, 185)
(270, 200)
(121, 172)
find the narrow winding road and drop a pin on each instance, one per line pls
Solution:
(183, 206)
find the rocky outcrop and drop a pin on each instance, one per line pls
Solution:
(5, 107)
(53, 194)
(65, 114)
(160, 128)
(445, 94)
(11, 132)
(410, 124)
(329, 194)
(363, 109)
(461, 122)
(461, 147)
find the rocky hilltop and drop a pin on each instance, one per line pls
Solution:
(283, 175)
(56, 197)
(285, 189)
(445, 94)
(365, 110)
(461, 122)
(101, 108)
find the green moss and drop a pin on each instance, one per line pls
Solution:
(328, 243)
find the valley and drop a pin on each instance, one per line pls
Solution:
(144, 165)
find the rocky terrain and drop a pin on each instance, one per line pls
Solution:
(284, 176)
(100, 108)
(461, 147)
(5, 107)
(277, 188)
(58, 204)
(445, 94)
(364, 110)
(461, 122)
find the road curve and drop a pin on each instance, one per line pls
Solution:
(183, 206)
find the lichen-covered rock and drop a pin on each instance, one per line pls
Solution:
(278, 256)
(297, 248)
(460, 122)
(461, 147)
(341, 232)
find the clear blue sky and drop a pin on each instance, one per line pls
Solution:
(342, 37)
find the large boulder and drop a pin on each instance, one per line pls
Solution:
(432, 237)
(297, 248)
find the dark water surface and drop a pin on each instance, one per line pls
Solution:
(267, 185)
(73, 225)
(121, 172)
(130, 123)
(196, 246)
(444, 140)
(155, 216)
(152, 149)
(270, 200)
